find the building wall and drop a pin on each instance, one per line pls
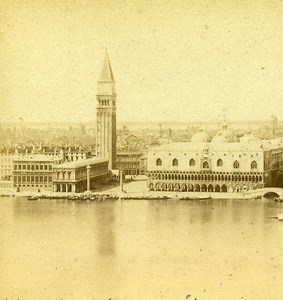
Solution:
(274, 167)
(129, 162)
(73, 179)
(205, 168)
(32, 175)
(74, 155)
(6, 166)
(106, 129)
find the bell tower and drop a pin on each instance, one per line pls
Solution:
(106, 114)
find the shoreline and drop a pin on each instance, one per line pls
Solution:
(144, 195)
(134, 190)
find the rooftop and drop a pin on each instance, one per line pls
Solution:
(83, 163)
(37, 158)
(199, 146)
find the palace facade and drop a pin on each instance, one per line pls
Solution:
(33, 172)
(216, 166)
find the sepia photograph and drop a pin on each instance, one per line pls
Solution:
(141, 149)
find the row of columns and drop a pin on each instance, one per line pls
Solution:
(71, 187)
(64, 187)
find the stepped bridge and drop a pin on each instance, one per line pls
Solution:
(268, 191)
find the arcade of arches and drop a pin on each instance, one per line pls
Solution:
(204, 181)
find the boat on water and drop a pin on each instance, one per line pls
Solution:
(280, 217)
(32, 198)
(196, 198)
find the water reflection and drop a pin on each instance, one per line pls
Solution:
(140, 249)
(104, 228)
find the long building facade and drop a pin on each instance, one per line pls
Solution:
(80, 176)
(217, 166)
(33, 173)
(106, 115)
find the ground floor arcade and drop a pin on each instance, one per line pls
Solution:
(204, 181)
(79, 186)
(202, 187)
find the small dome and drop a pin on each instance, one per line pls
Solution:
(219, 138)
(200, 137)
(248, 137)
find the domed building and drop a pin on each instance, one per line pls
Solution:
(200, 137)
(224, 135)
(249, 138)
(219, 138)
(216, 166)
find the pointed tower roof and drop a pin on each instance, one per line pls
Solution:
(106, 72)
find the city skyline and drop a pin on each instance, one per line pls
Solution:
(174, 61)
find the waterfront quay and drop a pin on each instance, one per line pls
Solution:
(137, 189)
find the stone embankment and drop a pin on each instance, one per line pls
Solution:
(136, 190)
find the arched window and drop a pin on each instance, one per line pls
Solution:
(254, 165)
(205, 165)
(192, 163)
(219, 163)
(175, 162)
(159, 162)
(236, 164)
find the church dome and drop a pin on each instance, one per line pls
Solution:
(248, 137)
(219, 138)
(200, 137)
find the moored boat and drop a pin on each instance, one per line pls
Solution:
(32, 198)
(196, 198)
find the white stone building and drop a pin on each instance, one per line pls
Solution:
(217, 166)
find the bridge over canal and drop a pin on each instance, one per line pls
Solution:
(272, 191)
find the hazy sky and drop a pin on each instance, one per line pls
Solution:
(172, 60)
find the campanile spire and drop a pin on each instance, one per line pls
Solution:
(106, 74)
(106, 114)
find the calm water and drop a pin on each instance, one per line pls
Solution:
(217, 249)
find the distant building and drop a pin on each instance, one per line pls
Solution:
(33, 173)
(7, 155)
(80, 176)
(129, 162)
(216, 166)
(106, 115)
(75, 153)
(51, 152)
(273, 165)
